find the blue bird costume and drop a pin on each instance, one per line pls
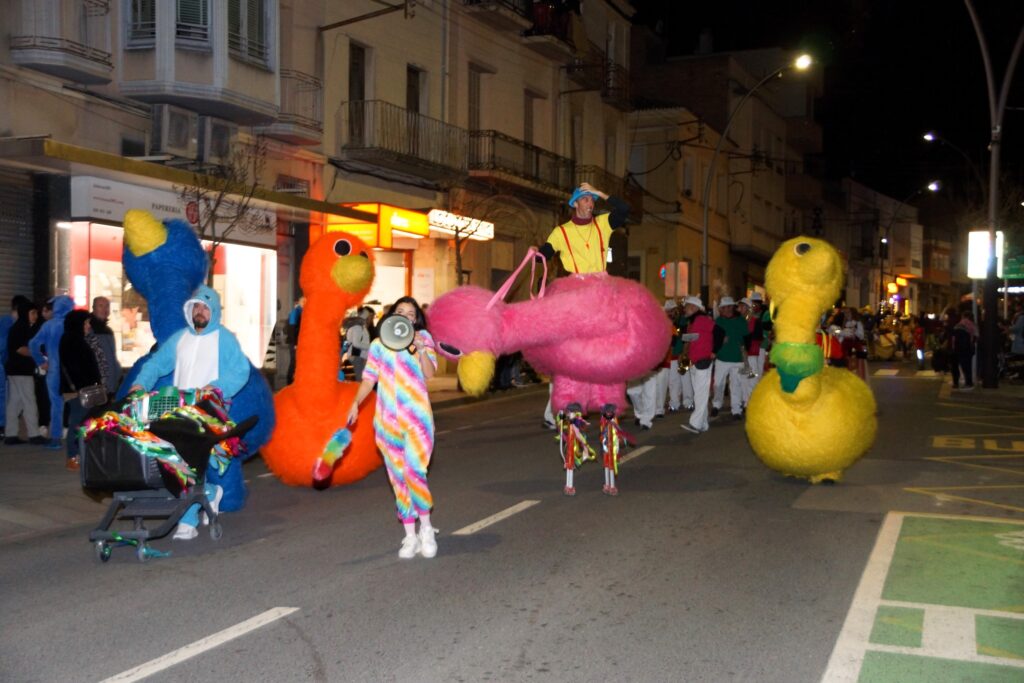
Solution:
(167, 269)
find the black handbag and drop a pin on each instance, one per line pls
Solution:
(90, 396)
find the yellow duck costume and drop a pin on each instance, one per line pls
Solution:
(805, 419)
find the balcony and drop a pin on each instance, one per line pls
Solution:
(382, 139)
(549, 36)
(615, 90)
(587, 67)
(503, 159)
(301, 121)
(613, 185)
(503, 15)
(67, 40)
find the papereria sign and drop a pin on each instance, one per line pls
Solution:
(452, 223)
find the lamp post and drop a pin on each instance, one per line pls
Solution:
(883, 252)
(801, 63)
(996, 108)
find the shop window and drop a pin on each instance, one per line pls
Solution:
(141, 24)
(192, 23)
(247, 30)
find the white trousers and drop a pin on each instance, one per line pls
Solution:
(641, 392)
(725, 370)
(21, 400)
(755, 363)
(700, 383)
(686, 384)
(549, 415)
(670, 382)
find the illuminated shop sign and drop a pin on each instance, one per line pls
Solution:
(392, 221)
(453, 224)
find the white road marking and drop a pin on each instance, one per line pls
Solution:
(635, 454)
(264, 475)
(886, 373)
(200, 646)
(848, 654)
(495, 518)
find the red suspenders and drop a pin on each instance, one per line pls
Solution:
(600, 240)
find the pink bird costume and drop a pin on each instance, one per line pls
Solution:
(591, 332)
(404, 423)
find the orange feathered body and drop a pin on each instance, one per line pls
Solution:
(336, 274)
(303, 431)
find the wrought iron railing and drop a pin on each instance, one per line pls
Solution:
(521, 7)
(378, 125)
(601, 179)
(302, 100)
(61, 45)
(587, 67)
(615, 90)
(490, 150)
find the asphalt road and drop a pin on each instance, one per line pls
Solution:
(707, 567)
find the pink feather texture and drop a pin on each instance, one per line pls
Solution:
(592, 333)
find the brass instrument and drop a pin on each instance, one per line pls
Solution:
(684, 357)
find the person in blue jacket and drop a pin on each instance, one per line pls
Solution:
(45, 348)
(203, 355)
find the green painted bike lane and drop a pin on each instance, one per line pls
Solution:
(941, 599)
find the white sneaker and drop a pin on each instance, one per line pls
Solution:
(410, 547)
(185, 532)
(690, 428)
(214, 503)
(428, 545)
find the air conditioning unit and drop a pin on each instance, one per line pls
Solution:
(175, 131)
(216, 140)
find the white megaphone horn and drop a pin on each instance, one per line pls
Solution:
(397, 332)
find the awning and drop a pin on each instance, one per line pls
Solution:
(46, 155)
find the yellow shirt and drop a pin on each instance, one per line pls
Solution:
(587, 249)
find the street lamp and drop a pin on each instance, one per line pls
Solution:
(996, 109)
(883, 250)
(932, 136)
(801, 63)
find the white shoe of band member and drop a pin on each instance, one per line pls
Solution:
(428, 545)
(410, 548)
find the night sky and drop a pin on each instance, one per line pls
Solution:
(893, 69)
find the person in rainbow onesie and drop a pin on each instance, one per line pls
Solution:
(582, 242)
(404, 424)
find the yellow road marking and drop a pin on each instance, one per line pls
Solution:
(940, 493)
(955, 460)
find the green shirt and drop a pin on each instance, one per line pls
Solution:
(735, 330)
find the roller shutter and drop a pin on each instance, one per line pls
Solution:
(17, 241)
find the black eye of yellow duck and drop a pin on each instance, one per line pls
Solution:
(342, 247)
(802, 248)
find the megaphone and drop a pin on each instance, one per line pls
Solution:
(397, 332)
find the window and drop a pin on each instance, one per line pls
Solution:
(529, 99)
(192, 22)
(473, 91)
(141, 23)
(688, 176)
(247, 30)
(414, 89)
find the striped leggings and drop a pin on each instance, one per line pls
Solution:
(406, 456)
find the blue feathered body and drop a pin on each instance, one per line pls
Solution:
(167, 277)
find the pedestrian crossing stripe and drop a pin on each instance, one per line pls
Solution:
(886, 373)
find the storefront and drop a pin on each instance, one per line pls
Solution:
(88, 253)
(408, 247)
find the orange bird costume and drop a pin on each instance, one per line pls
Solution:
(336, 274)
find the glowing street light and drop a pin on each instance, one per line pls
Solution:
(800, 63)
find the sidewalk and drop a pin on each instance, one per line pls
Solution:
(38, 495)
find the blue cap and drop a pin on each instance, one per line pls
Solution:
(580, 192)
